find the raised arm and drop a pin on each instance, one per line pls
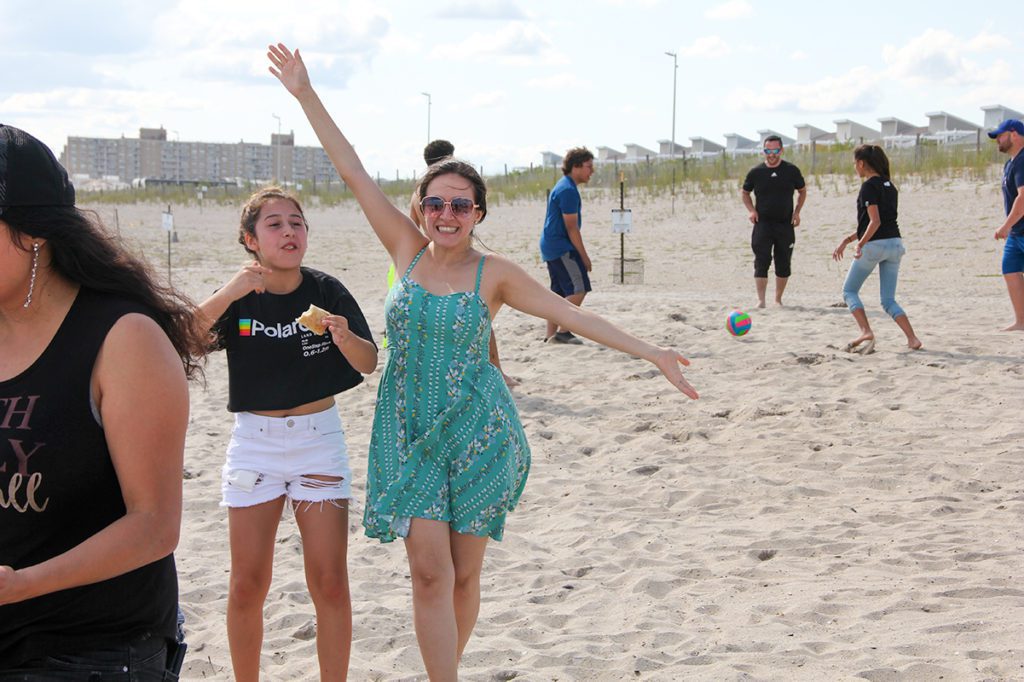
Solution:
(520, 291)
(395, 230)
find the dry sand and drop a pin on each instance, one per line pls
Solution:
(816, 515)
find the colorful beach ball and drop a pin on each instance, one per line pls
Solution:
(738, 323)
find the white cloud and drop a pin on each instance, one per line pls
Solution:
(733, 9)
(856, 90)
(558, 81)
(939, 57)
(487, 100)
(482, 9)
(517, 42)
(798, 56)
(710, 47)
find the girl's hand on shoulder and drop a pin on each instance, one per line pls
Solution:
(289, 68)
(248, 279)
(668, 361)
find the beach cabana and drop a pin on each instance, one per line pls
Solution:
(737, 144)
(806, 134)
(701, 146)
(997, 113)
(851, 131)
(636, 152)
(608, 154)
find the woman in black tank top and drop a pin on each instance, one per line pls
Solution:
(94, 361)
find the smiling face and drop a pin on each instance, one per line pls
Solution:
(446, 228)
(772, 153)
(279, 238)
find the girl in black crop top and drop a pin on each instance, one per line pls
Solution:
(878, 244)
(288, 441)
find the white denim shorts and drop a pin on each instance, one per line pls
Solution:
(273, 456)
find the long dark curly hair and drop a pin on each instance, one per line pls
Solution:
(86, 253)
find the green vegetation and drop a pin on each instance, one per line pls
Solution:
(829, 169)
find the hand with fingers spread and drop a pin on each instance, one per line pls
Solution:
(668, 361)
(289, 68)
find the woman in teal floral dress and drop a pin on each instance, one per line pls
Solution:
(448, 456)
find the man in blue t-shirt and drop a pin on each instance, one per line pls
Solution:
(1009, 135)
(561, 245)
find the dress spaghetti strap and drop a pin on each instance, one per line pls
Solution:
(414, 262)
(479, 274)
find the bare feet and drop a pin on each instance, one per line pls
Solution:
(760, 304)
(914, 343)
(780, 303)
(853, 346)
(1016, 327)
(510, 381)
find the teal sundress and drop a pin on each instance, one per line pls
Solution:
(447, 442)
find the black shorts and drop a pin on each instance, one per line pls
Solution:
(568, 276)
(772, 241)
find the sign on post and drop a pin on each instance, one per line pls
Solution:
(622, 220)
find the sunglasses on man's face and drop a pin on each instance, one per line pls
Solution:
(772, 152)
(434, 206)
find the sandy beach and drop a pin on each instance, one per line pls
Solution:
(816, 515)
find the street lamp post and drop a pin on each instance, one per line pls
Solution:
(427, 95)
(177, 157)
(277, 150)
(672, 153)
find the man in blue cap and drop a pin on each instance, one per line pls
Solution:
(1009, 135)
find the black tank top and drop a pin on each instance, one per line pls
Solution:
(58, 487)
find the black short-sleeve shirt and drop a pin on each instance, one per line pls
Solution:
(773, 191)
(274, 363)
(880, 192)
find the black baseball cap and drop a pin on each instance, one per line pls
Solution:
(30, 174)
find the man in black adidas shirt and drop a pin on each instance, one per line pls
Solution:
(774, 217)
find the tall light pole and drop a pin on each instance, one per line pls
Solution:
(427, 95)
(672, 153)
(277, 149)
(177, 157)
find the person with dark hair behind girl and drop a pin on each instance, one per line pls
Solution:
(878, 243)
(95, 355)
(448, 456)
(288, 440)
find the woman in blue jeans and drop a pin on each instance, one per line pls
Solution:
(878, 243)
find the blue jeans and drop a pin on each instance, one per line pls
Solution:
(886, 254)
(142, 661)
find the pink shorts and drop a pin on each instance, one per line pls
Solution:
(270, 457)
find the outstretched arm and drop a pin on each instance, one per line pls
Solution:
(522, 292)
(396, 232)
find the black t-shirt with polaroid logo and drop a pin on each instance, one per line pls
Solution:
(275, 363)
(880, 192)
(773, 191)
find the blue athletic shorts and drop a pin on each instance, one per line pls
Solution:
(568, 276)
(1013, 254)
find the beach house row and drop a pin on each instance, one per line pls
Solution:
(942, 127)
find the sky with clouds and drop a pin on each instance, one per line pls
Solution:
(507, 79)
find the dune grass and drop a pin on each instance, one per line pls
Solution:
(828, 169)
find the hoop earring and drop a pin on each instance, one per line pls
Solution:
(32, 276)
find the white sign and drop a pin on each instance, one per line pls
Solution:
(168, 221)
(622, 220)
